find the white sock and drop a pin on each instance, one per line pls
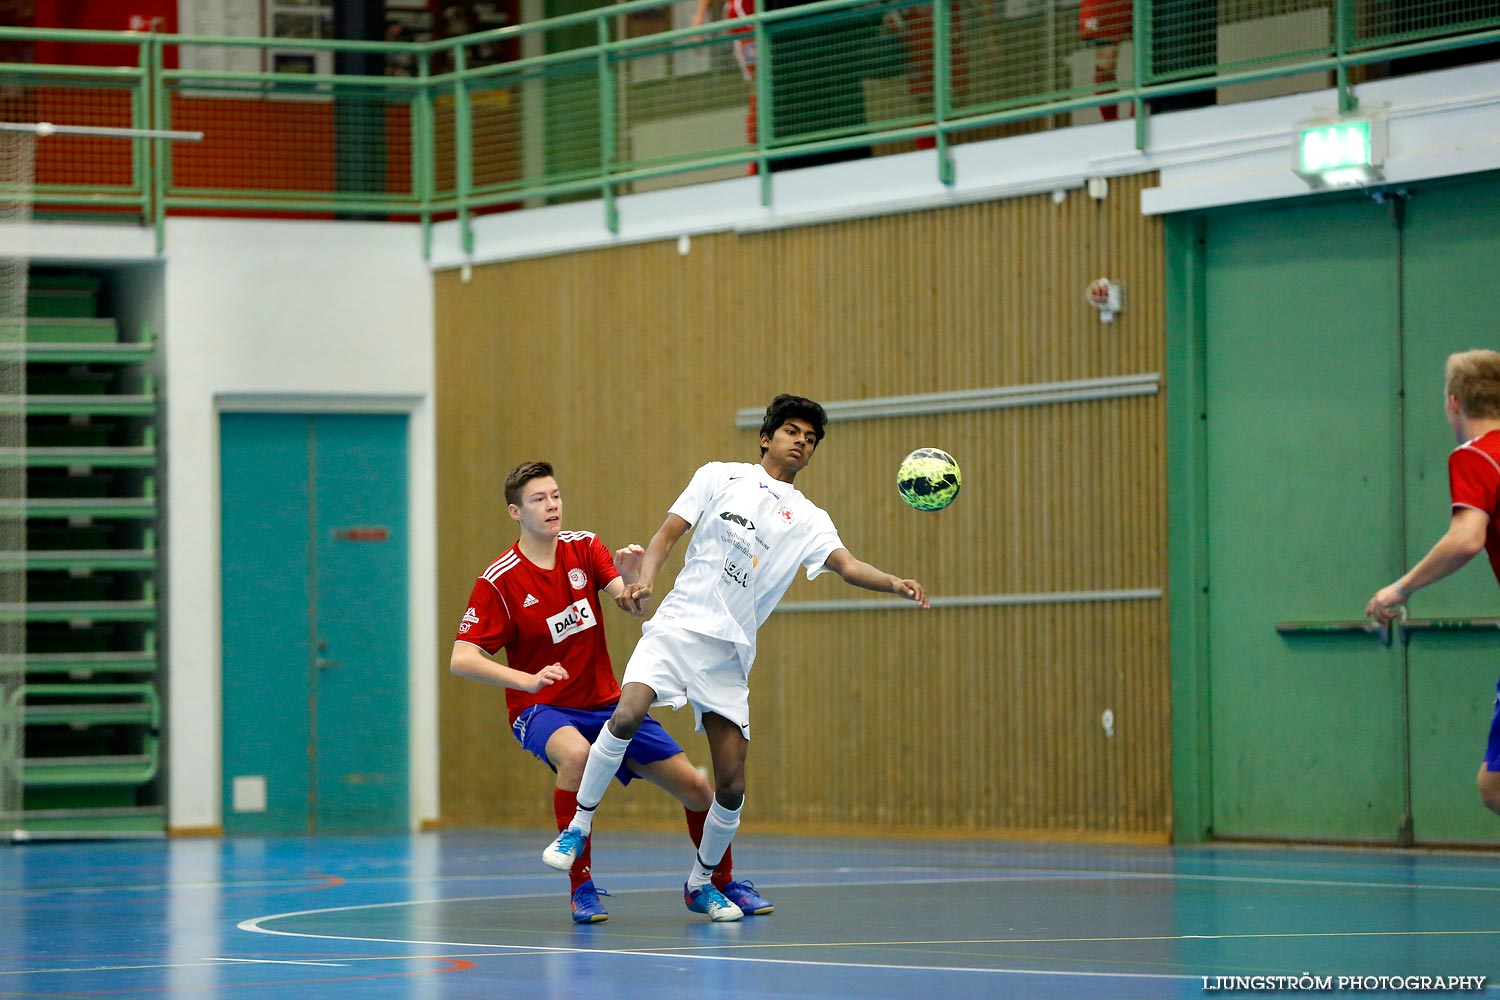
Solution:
(604, 760)
(718, 831)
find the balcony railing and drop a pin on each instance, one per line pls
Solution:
(620, 99)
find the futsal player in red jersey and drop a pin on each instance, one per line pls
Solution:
(1472, 405)
(539, 601)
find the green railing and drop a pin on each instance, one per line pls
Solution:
(617, 100)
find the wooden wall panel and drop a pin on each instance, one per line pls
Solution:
(625, 368)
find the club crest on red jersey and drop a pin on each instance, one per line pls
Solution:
(578, 578)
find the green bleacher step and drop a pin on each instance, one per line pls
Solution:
(72, 330)
(45, 352)
(128, 457)
(92, 404)
(114, 769)
(79, 705)
(129, 508)
(80, 665)
(85, 613)
(81, 560)
(120, 821)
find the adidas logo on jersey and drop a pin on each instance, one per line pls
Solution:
(529, 601)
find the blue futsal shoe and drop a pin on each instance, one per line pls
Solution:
(586, 906)
(709, 900)
(743, 895)
(563, 851)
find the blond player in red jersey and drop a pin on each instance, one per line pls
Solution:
(539, 601)
(1472, 404)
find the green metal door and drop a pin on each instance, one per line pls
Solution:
(1302, 376)
(1450, 234)
(314, 614)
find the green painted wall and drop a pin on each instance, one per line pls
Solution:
(1309, 469)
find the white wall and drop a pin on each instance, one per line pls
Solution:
(295, 315)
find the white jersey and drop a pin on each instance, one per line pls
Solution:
(751, 533)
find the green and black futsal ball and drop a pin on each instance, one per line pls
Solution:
(929, 479)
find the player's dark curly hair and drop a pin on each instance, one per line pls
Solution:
(521, 475)
(788, 407)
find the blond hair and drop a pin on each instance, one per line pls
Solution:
(1474, 380)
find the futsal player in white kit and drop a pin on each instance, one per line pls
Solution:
(753, 529)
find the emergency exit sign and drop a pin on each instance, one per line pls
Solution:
(1337, 153)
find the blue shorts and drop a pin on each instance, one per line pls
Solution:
(1492, 752)
(535, 726)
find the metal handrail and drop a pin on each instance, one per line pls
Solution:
(154, 86)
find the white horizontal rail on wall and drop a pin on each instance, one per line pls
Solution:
(969, 400)
(980, 600)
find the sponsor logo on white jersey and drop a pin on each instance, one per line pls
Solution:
(578, 578)
(530, 600)
(577, 617)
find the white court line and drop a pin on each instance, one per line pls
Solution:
(209, 963)
(273, 961)
(255, 925)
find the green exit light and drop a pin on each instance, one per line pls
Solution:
(1335, 147)
(1336, 154)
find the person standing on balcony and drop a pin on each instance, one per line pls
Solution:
(744, 55)
(1106, 24)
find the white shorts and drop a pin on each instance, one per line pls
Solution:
(685, 667)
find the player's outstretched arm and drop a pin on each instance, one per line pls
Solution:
(468, 660)
(1463, 540)
(633, 597)
(862, 574)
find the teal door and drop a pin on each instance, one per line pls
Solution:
(1449, 234)
(314, 611)
(1307, 731)
(1326, 331)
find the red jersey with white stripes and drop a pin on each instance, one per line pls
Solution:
(1474, 481)
(545, 616)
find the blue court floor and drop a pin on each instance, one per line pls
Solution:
(477, 915)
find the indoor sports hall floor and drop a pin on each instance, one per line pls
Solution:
(476, 915)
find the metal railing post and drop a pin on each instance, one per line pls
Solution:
(423, 152)
(1141, 30)
(765, 120)
(1342, 24)
(942, 84)
(608, 123)
(463, 149)
(159, 113)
